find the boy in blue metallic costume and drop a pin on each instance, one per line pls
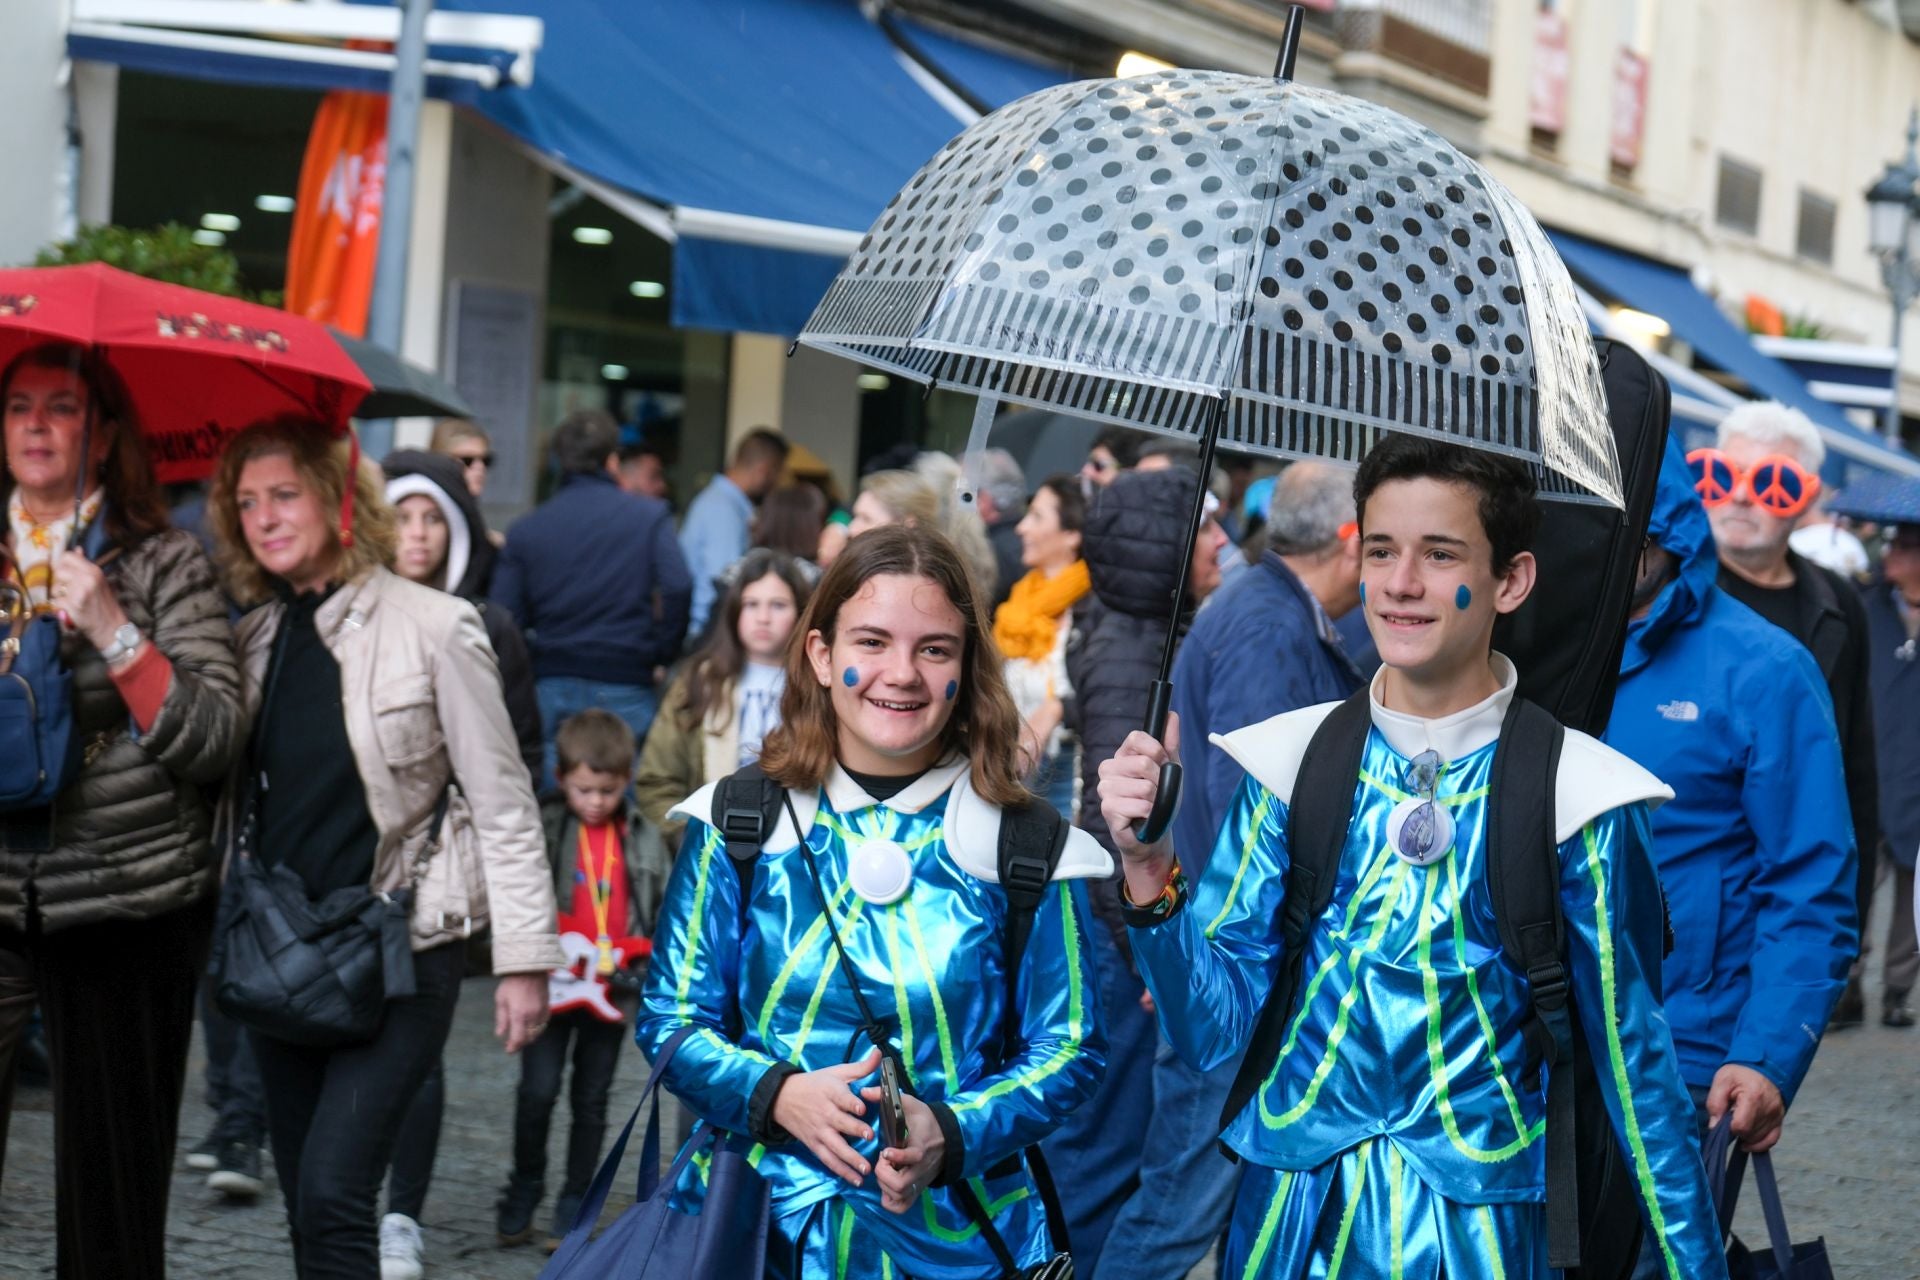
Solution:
(898, 748)
(1396, 1133)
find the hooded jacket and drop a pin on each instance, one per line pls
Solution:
(1755, 851)
(470, 560)
(1134, 542)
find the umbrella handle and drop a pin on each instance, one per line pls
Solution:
(1166, 800)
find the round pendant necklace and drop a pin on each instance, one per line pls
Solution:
(1420, 831)
(880, 871)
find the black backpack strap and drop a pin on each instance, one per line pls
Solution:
(746, 807)
(1523, 878)
(1317, 822)
(1032, 837)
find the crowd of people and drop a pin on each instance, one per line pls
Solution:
(540, 744)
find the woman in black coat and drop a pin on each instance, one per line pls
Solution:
(1133, 542)
(444, 543)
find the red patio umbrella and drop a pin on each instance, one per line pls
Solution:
(198, 367)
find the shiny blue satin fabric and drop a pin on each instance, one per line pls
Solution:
(934, 960)
(1409, 1021)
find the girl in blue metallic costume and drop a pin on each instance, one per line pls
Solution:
(898, 749)
(1396, 1131)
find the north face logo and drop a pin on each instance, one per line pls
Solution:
(1682, 711)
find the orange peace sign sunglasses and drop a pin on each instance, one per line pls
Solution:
(1777, 484)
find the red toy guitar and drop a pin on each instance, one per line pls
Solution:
(580, 985)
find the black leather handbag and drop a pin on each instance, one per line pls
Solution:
(315, 972)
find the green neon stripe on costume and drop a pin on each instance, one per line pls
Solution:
(947, 1060)
(1076, 1020)
(844, 1246)
(1436, 1053)
(898, 970)
(827, 972)
(695, 920)
(1246, 857)
(808, 940)
(1642, 1169)
(1396, 1211)
(1381, 862)
(1353, 1205)
(1492, 1242)
(994, 1210)
(1397, 795)
(1324, 1068)
(1479, 1006)
(1268, 1225)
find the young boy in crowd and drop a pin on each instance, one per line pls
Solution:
(608, 892)
(1398, 1118)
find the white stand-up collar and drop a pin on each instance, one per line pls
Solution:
(1452, 736)
(848, 796)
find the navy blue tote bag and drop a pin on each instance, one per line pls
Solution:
(1783, 1260)
(651, 1241)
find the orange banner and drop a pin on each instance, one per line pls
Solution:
(336, 218)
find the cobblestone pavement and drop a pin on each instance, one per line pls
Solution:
(1846, 1168)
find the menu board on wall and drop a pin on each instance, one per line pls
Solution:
(492, 342)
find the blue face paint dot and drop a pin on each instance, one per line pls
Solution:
(850, 677)
(1363, 593)
(953, 687)
(1463, 597)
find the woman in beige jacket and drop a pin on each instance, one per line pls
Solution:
(374, 698)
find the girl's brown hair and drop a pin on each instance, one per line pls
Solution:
(718, 662)
(135, 506)
(985, 726)
(321, 462)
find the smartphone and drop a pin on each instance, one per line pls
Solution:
(893, 1112)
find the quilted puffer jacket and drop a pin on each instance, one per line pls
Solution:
(1134, 541)
(130, 834)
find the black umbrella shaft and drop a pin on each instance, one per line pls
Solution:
(1289, 45)
(1195, 519)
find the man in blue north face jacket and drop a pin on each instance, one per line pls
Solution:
(1755, 850)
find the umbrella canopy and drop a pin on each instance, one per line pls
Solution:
(197, 367)
(1186, 248)
(401, 388)
(1879, 498)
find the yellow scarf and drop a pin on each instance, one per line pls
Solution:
(1028, 623)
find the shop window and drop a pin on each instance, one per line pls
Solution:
(1814, 237)
(1736, 206)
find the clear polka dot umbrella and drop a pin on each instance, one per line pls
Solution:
(1201, 253)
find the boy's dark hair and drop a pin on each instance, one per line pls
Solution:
(1509, 501)
(1182, 453)
(584, 440)
(1123, 444)
(598, 739)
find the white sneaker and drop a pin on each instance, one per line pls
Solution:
(399, 1248)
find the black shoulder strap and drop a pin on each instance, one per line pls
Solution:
(1523, 879)
(1317, 821)
(1032, 837)
(746, 807)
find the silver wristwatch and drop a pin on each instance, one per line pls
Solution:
(126, 638)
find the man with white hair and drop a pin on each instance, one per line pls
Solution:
(1756, 484)
(1264, 645)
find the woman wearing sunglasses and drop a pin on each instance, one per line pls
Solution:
(1761, 477)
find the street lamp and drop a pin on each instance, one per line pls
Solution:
(1893, 235)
